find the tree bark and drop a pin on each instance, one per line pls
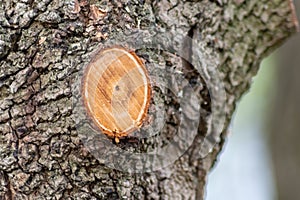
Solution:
(45, 46)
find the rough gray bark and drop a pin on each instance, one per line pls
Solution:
(45, 44)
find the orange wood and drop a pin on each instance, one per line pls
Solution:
(116, 91)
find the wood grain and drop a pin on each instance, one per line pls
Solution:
(116, 91)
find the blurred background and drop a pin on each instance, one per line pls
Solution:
(261, 160)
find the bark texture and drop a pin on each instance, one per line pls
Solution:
(45, 44)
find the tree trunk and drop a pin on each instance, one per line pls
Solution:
(284, 128)
(198, 53)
